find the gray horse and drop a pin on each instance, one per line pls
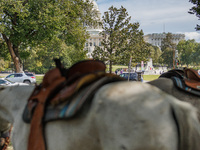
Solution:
(123, 116)
(167, 85)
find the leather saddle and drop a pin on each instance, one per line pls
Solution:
(192, 78)
(59, 86)
(186, 79)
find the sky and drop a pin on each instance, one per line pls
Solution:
(158, 16)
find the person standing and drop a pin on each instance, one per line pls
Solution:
(121, 71)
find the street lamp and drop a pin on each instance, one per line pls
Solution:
(176, 58)
(173, 56)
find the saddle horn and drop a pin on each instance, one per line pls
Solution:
(60, 66)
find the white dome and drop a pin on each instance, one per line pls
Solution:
(95, 5)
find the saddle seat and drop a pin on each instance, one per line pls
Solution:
(63, 86)
(192, 78)
(186, 79)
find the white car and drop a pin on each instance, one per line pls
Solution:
(28, 78)
(5, 82)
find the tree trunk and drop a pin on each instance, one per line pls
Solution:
(14, 54)
(129, 68)
(110, 67)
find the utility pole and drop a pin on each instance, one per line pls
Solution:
(173, 58)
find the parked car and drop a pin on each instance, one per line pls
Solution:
(6, 82)
(28, 78)
(132, 77)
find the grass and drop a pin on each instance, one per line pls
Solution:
(117, 67)
(39, 79)
(150, 77)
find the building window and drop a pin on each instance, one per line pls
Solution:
(94, 44)
(86, 44)
(90, 43)
(100, 43)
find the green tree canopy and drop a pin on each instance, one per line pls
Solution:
(40, 56)
(188, 52)
(135, 49)
(168, 48)
(4, 53)
(28, 23)
(196, 55)
(195, 10)
(154, 53)
(122, 39)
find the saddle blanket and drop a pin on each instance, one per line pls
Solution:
(71, 107)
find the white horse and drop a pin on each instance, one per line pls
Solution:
(122, 116)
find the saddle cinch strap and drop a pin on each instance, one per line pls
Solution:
(36, 138)
(53, 82)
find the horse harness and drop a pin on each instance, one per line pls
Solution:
(63, 86)
(186, 79)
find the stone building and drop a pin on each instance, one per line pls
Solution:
(95, 37)
(156, 38)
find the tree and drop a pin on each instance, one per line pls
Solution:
(120, 36)
(4, 54)
(196, 55)
(154, 52)
(188, 51)
(168, 48)
(38, 60)
(135, 49)
(195, 10)
(29, 23)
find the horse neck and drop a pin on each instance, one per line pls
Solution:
(13, 101)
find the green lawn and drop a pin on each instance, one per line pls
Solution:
(39, 79)
(114, 67)
(150, 77)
